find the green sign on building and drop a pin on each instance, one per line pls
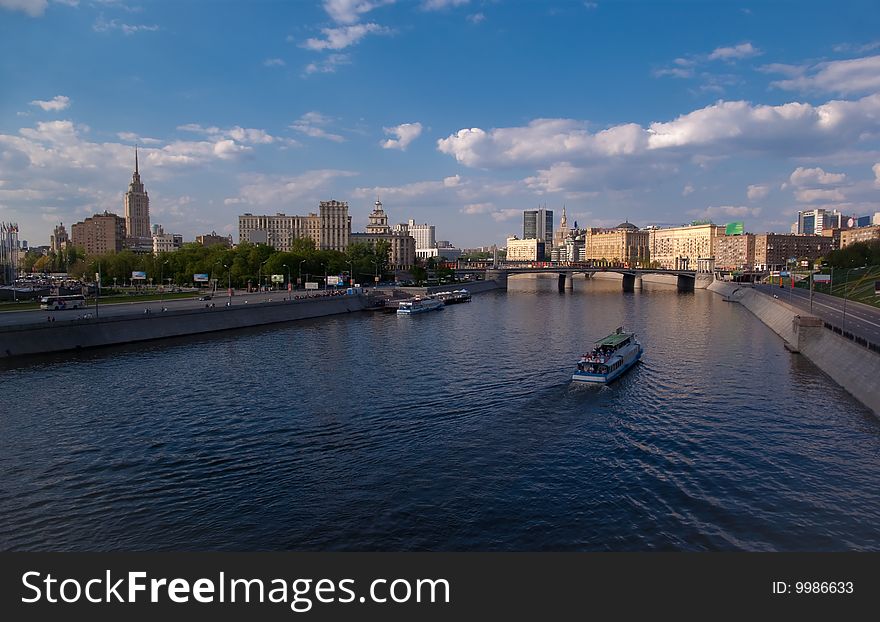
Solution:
(734, 228)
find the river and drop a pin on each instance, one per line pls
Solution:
(452, 430)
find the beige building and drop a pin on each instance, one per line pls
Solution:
(525, 250)
(735, 252)
(59, 238)
(165, 242)
(137, 208)
(678, 248)
(774, 250)
(330, 228)
(212, 239)
(862, 234)
(623, 244)
(402, 252)
(561, 233)
(99, 234)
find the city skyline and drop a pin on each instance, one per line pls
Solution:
(461, 114)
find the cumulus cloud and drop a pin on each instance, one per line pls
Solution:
(328, 65)
(857, 75)
(274, 62)
(313, 124)
(137, 139)
(476, 18)
(102, 25)
(811, 195)
(279, 190)
(815, 177)
(743, 50)
(350, 11)
(241, 134)
(438, 5)
(56, 104)
(721, 129)
(33, 8)
(876, 169)
(726, 211)
(344, 36)
(403, 134)
(688, 189)
(756, 192)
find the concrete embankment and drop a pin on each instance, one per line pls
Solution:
(852, 366)
(91, 333)
(473, 287)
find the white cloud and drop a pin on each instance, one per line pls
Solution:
(313, 124)
(403, 134)
(816, 194)
(277, 190)
(274, 62)
(137, 139)
(241, 134)
(33, 8)
(756, 192)
(688, 189)
(857, 75)
(344, 36)
(675, 72)
(726, 211)
(438, 5)
(56, 104)
(721, 129)
(102, 25)
(858, 49)
(801, 177)
(478, 208)
(328, 65)
(350, 11)
(876, 169)
(743, 50)
(476, 18)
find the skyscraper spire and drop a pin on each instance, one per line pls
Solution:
(135, 158)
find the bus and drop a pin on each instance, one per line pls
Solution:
(59, 303)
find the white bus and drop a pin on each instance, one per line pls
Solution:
(57, 303)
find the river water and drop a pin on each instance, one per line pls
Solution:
(453, 430)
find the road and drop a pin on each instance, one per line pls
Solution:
(16, 318)
(861, 320)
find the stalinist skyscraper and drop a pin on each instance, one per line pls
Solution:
(137, 207)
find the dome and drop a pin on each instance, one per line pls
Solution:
(627, 225)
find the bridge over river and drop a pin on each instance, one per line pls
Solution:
(632, 277)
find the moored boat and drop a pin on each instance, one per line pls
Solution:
(418, 305)
(609, 358)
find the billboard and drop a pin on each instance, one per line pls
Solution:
(200, 278)
(138, 276)
(277, 278)
(821, 278)
(333, 280)
(311, 285)
(734, 228)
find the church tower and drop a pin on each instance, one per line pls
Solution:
(378, 223)
(137, 206)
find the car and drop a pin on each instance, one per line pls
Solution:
(205, 297)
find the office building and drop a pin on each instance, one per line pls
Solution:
(870, 233)
(816, 221)
(538, 225)
(100, 234)
(775, 251)
(165, 242)
(330, 228)
(531, 249)
(624, 244)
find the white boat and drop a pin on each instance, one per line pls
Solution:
(418, 305)
(609, 358)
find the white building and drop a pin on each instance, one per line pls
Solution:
(165, 242)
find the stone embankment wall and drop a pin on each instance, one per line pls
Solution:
(850, 365)
(90, 333)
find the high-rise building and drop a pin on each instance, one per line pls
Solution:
(774, 251)
(562, 232)
(99, 234)
(735, 252)
(815, 221)
(330, 229)
(137, 209)
(402, 251)
(538, 225)
(9, 252)
(424, 235)
(59, 238)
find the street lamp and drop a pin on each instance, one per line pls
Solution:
(325, 276)
(288, 277)
(301, 271)
(350, 273)
(260, 276)
(229, 291)
(845, 281)
(375, 263)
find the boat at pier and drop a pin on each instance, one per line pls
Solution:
(609, 358)
(454, 297)
(418, 305)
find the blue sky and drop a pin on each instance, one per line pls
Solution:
(460, 113)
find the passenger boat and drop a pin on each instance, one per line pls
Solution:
(454, 297)
(609, 358)
(418, 305)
